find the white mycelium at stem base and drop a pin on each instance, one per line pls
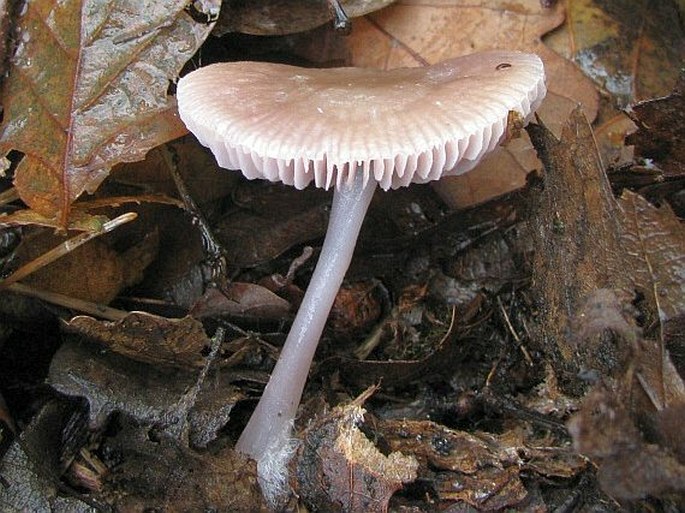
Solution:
(270, 424)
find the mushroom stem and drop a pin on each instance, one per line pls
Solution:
(269, 427)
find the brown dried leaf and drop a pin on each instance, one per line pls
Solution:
(611, 141)
(576, 233)
(661, 130)
(654, 242)
(627, 49)
(635, 418)
(100, 269)
(274, 223)
(482, 470)
(239, 299)
(586, 240)
(279, 17)
(340, 470)
(165, 476)
(147, 338)
(439, 447)
(354, 310)
(629, 467)
(88, 89)
(419, 32)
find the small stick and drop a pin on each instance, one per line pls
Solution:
(66, 247)
(341, 22)
(178, 419)
(216, 262)
(518, 340)
(87, 307)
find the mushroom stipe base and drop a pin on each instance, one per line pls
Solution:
(269, 427)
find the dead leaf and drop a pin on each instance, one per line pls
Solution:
(205, 180)
(279, 17)
(480, 469)
(355, 309)
(34, 463)
(5, 19)
(88, 89)
(246, 300)
(78, 220)
(445, 355)
(154, 472)
(629, 467)
(420, 32)
(576, 232)
(437, 446)
(653, 239)
(586, 240)
(627, 424)
(99, 268)
(81, 267)
(611, 141)
(674, 340)
(150, 395)
(661, 130)
(338, 469)
(147, 338)
(623, 48)
(273, 219)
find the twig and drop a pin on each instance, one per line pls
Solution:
(519, 343)
(87, 307)
(66, 247)
(215, 266)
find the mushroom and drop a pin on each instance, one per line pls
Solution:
(351, 129)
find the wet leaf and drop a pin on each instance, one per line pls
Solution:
(34, 463)
(419, 32)
(88, 89)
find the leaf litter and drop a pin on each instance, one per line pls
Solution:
(497, 372)
(88, 89)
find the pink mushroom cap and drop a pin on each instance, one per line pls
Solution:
(408, 125)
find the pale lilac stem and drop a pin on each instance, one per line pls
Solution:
(270, 424)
